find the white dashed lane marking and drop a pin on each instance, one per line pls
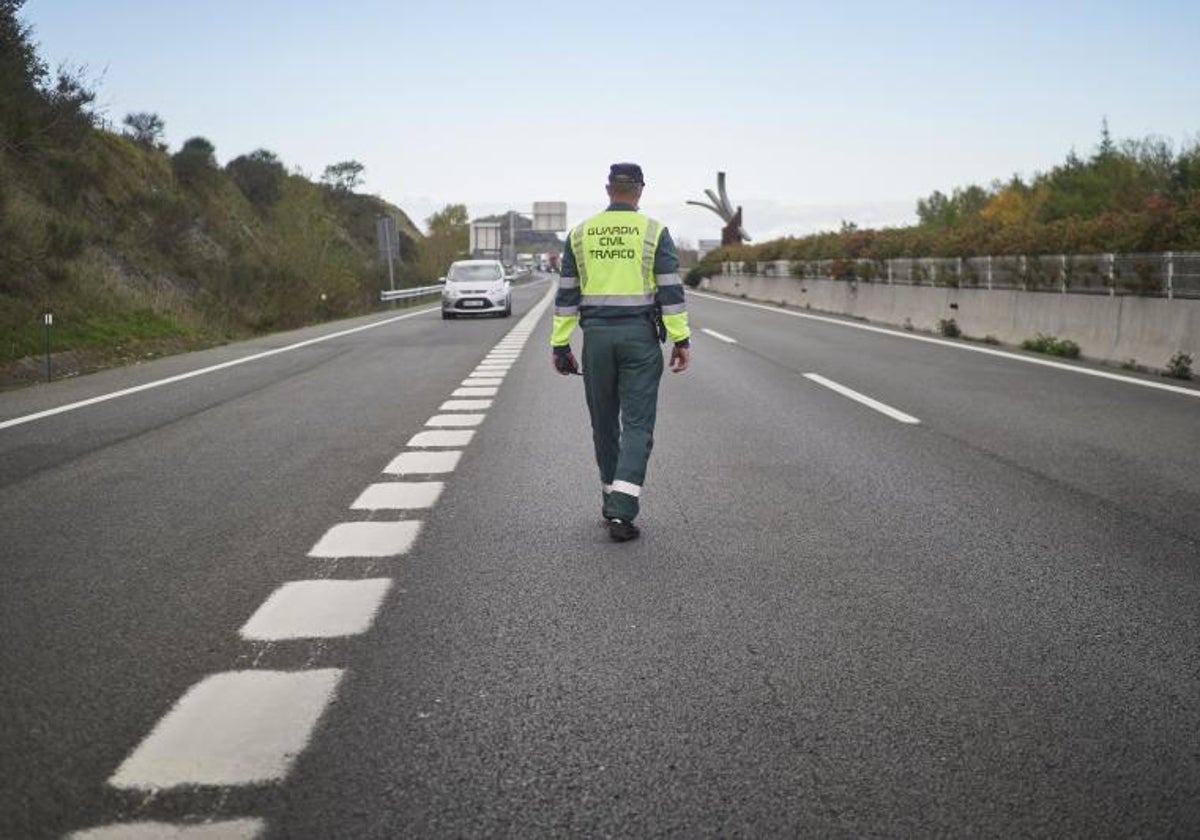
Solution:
(422, 463)
(455, 420)
(465, 405)
(474, 392)
(481, 381)
(227, 830)
(719, 336)
(399, 495)
(317, 609)
(367, 539)
(233, 728)
(451, 438)
(882, 408)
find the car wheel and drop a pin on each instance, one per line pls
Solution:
(446, 316)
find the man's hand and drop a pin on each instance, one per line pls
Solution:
(564, 361)
(680, 356)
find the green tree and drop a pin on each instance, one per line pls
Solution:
(934, 209)
(35, 112)
(146, 128)
(1106, 149)
(259, 175)
(448, 240)
(195, 163)
(1185, 175)
(964, 205)
(344, 176)
(451, 220)
(21, 75)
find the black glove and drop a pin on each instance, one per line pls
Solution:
(564, 361)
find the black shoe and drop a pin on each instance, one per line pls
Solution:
(622, 531)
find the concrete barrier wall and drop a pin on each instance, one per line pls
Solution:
(1114, 329)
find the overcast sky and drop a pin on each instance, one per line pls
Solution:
(818, 112)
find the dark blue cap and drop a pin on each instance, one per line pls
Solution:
(625, 173)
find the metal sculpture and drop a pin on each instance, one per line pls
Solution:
(733, 233)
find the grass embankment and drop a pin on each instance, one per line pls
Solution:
(133, 259)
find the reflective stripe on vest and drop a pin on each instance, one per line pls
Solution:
(614, 252)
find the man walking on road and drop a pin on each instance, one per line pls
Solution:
(620, 283)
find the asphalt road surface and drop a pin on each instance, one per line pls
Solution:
(352, 582)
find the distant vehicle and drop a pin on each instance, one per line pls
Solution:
(476, 287)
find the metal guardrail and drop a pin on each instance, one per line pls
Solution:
(424, 291)
(406, 294)
(1168, 274)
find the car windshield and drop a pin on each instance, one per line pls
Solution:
(474, 273)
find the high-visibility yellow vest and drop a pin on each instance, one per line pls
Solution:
(614, 252)
(614, 255)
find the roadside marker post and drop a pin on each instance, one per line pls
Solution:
(48, 319)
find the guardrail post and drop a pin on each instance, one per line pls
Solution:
(989, 272)
(1024, 269)
(1112, 275)
(1170, 257)
(1063, 274)
(889, 268)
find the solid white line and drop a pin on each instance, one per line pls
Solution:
(244, 829)
(233, 728)
(423, 463)
(1003, 354)
(367, 539)
(719, 336)
(317, 609)
(50, 412)
(399, 495)
(862, 398)
(448, 438)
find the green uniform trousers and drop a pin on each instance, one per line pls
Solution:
(622, 364)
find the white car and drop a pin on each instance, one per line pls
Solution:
(476, 287)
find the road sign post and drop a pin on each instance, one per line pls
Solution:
(389, 245)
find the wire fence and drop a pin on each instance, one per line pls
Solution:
(1169, 274)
